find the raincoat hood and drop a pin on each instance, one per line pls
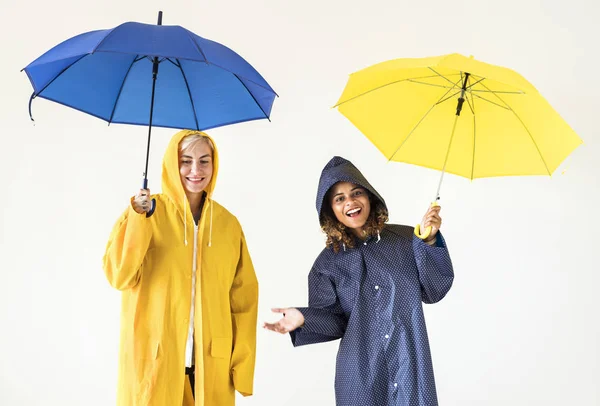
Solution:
(337, 170)
(173, 187)
(171, 180)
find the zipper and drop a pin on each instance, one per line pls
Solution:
(189, 353)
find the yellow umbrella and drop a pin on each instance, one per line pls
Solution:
(410, 108)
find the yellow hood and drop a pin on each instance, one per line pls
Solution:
(171, 180)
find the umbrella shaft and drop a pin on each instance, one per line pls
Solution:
(437, 194)
(459, 106)
(154, 74)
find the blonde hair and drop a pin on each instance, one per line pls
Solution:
(190, 140)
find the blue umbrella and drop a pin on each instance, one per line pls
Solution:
(152, 75)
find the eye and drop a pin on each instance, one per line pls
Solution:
(186, 162)
(204, 162)
(339, 199)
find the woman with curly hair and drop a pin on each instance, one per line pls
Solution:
(367, 287)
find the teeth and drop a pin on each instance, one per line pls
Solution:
(353, 211)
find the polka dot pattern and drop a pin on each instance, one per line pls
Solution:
(371, 297)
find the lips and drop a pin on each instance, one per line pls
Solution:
(195, 180)
(353, 212)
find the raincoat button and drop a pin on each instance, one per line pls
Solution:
(387, 336)
(395, 385)
(376, 287)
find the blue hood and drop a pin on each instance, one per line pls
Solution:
(337, 170)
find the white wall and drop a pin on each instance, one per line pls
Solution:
(520, 326)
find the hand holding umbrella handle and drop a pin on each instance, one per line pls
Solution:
(427, 231)
(153, 203)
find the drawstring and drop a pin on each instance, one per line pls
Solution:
(185, 219)
(378, 237)
(211, 219)
(344, 246)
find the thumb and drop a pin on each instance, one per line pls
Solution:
(277, 310)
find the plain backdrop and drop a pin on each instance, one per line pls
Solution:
(520, 325)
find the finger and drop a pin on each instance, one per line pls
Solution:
(433, 217)
(434, 210)
(433, 220)
(278, 310)
(271, 326)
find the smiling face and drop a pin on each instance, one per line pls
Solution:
(196, 166)
(350, 205)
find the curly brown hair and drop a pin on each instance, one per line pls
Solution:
(337, 233)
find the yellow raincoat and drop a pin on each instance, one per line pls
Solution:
(148, 259)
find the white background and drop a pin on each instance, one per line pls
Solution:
(519, 327)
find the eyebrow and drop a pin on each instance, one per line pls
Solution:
(189, 157)
(353, 189)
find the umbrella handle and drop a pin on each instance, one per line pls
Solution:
(153, 205)
(427, 231)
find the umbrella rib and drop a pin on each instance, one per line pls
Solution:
(389, 84)
(472, 107)
(253, 98)
(141, 123)
(57, 76)
(178, 64)
(494, 91)
(428, 84)
(112, 114)
(415, 127)
(489, 101)
(189, 92)
(474, 134)
(526, 129)
(449, 97)
(208, 63)
(470, 88)
(220, 67)
(444, 77)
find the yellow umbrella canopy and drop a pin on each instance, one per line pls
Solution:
(458, 115)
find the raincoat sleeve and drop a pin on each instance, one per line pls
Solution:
(126, 249)
(243, 298)
(435, 268)
(324, 319)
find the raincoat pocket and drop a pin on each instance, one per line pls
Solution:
(220, 347)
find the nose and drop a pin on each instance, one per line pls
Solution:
(195, 167)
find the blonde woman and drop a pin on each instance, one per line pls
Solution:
(189, 303)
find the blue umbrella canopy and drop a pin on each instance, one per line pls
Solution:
(154, 75)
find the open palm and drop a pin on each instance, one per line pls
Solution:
(291, 320)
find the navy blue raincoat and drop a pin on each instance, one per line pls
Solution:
(371, 297)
